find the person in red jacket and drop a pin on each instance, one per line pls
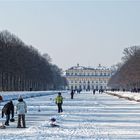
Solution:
(1, 98)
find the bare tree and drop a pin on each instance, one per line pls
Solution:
(128, 75)
(22, 67)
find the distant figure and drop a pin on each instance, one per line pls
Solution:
(72, 94)
(7, 110)
(93, 91)
(79, 90)
(1, 98)
(59, 102)
(101, 91)
(21, 109)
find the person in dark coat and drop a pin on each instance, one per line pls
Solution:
(72, 94)
(7, 110)
(94, 91)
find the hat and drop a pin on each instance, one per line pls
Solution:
(53, 119)
(20, 97)
(11, 101)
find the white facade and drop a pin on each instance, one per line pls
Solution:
(84, 78)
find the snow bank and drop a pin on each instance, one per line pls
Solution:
(25, 94)
(127, 95)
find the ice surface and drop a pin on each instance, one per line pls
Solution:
(87, 117)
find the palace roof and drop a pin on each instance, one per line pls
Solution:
(78, 67)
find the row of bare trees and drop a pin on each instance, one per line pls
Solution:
(127, 76)
(22, 67)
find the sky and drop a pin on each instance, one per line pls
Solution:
(87, 32)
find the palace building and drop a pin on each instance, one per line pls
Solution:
(86, 78)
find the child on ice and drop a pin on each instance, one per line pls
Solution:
(53, 122)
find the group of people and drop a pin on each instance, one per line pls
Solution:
(21, 110)
(100, 91)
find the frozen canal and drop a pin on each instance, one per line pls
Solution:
(87, 117)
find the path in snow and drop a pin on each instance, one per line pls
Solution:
(87, 116)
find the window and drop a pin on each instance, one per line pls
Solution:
(71, 87)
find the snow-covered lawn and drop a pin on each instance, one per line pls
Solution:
(87, 117)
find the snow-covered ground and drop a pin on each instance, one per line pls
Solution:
(87, 116)
(128, 95)
(26, 94)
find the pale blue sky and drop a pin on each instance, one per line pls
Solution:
(71, 32)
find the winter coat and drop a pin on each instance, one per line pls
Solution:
(8, 109)
(21, 107)
(59, 99)
(1, 99)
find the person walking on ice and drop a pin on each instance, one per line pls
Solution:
(21, 110)
(72, 94)
(7, 110)
(59, 102)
